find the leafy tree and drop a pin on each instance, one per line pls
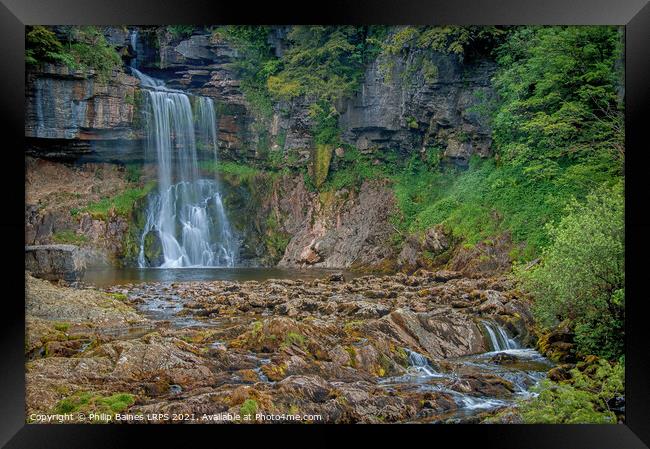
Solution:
(415, 43)
(560, 91)
(91, 50)
(323, 62)
(41, 44)
(582, 273)
(460, 40)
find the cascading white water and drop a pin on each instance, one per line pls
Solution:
(134, 46)
(499, 339)
(186, 214)
(420, 364)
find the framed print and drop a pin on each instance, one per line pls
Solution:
(384, 218)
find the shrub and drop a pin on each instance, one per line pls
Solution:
(42, 45)
(582, 274)
(180, 31)
(133, 173)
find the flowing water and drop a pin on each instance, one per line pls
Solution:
(525, 368)
(134, 46)
(186, 215)
(499, 339)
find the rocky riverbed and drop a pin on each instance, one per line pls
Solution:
(428, 347)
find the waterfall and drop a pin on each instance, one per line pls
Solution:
(499, 339)
(186, 216)
(134, 47)
(420, 364)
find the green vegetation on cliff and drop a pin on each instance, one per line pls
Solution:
(465, 41)
(69, 236)
(121, 204)
(85, 47)
(323, 62)
(256, 64)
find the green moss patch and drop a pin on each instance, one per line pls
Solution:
(86, 402)
(121, 204)
(68, 236)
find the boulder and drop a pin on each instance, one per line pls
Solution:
(435, 240)
(153, 250)
(55, 262)
(442, 334)
(502, 358)
(309, 256)
(310, 388)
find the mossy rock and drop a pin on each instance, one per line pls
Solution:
(322, 156)
(153, 250)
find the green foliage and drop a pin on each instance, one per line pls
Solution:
(86, 48)
(69, 236)
(42, 45)
(489, 199)
(325, 118)
(180, 31)
(249, 407)
(309, 182)
(133, 172)
(538, 170)
(276, 240)
(121, 204)
(255, 66)
(419, 41)
(119, 296)
(230, 168)
(564, 404)
(560, 97)
(324, 62)
(412, 122)
(62, 327)
(353, 169)
(445, 39)
(581, 400)
(582, 274)
(294, 338)
(88, 402)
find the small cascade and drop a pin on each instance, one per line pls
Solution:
(186, 217)
(420, 364)
(499, 339)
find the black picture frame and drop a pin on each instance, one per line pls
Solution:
(634, 14)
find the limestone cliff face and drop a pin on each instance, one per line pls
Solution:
(409, 110)
(74, 116)
(68, 112)
(72, 113)
(405, 108)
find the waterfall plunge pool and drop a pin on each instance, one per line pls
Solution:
(107, 277)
